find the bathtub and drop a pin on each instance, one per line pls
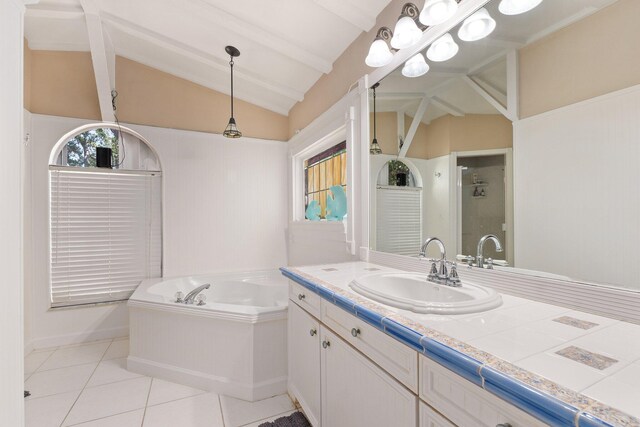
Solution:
(234, 345)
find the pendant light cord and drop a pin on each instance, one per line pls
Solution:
(231, 63)
(374, 113)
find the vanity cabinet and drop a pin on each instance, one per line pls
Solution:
(345, 372)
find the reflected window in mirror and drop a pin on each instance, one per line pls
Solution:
(323, 171)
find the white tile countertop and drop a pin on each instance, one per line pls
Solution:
(589, 362)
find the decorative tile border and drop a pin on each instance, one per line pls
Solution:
(580, 355)
(576, 323)
(538, 396)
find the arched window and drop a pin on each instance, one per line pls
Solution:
(105, 222)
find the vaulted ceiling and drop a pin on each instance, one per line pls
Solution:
(285, 45)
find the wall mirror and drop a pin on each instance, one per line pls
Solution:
(458, 161)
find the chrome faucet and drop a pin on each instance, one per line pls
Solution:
(440, 276)
(479, 257)
(191, 296)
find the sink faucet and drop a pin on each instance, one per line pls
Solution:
(442, 274)
(479, 257)
(191, 296)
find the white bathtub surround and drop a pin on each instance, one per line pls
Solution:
(103, 393)
(235, 344)
(522, 338)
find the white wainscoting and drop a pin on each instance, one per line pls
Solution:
(577, 190)
(224, 210)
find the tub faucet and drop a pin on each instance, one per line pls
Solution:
(191, 296)
(494, 239)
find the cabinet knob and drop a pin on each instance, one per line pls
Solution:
(355, 332)
(301, 297)
(325, 344)
(312, 332)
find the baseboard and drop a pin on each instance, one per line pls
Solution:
(220, 385)
(79, 338)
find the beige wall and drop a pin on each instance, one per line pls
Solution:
(433, 142)
(592, 57)
(151, 97)
(63, 84)
(347, 69)
(387, 130)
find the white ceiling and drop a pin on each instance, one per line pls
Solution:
(285, 45)
(483, 60)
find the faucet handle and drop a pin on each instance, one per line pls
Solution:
(467, 259)
(454, 279)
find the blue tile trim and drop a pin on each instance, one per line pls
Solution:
(326, 293)
(345, 303)
(369, 316)
(536, 403)
(300, 280)
(588, 420)
(404, 334)
(453, 360)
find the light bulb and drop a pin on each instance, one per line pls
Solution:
(416, 66)
(442, 49)
(406, 33)
(516, 7)
(477, 26)
(437, 11)
(379, 54)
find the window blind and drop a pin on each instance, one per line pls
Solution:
(106, 233)
(398, 220)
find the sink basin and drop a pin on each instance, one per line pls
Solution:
(412, 291)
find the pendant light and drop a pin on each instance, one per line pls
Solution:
(379, 53)
(477, 26)
(437, 11)
(516, 7)
(406, 33)
(442, 49)
(375, 147)
(232, 130)
(416, 66)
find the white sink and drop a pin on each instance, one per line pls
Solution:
(412, 291)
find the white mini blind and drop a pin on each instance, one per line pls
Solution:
(106, 233)
(398, 220)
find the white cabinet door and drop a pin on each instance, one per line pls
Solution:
(356, 392)
(430, 418)
(304, 361)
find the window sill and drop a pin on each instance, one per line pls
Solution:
(89, 305)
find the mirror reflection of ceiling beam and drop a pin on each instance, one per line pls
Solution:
(349, 12)
(422, 109)
(446, 107)
(400, 121)
(399, 96)
(504, 42)
(51, 11)
(513, 94)
(99, 58)
(486, 95)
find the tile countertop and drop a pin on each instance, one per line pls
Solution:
(564, 366)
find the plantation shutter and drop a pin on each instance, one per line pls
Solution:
(106, 233)
(398, 220)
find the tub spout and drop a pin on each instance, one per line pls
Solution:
(191, 296)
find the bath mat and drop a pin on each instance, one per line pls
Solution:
(294, 420)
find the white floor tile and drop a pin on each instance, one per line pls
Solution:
(128, 419)
(75, 355)
(618, 394)
(477, 326)
(110, 399)
(35, 359)
(620, 341)
(535, 311)
(268, 420)
(165, 391)
(111, 371)
(55, 381)
(629, 375)
(197, 411)
(48, 411)
(239, 412)
(515, 344)
(561, 370)
(118, 348)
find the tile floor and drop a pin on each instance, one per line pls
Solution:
(88, 385)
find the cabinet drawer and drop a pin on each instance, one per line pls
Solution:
(305, 298)
(394, 357)
(430, 418)
(465, 403)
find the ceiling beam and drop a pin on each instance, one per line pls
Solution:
(99, 59)
(399, 96)
(263, 37)
(513, 94)
(180, 48)
(400, 122)
(486, 95)
(417, 119)
(446, 107)
(54, 11)
(349, 12)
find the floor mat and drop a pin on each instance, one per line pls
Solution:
(294, 420)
